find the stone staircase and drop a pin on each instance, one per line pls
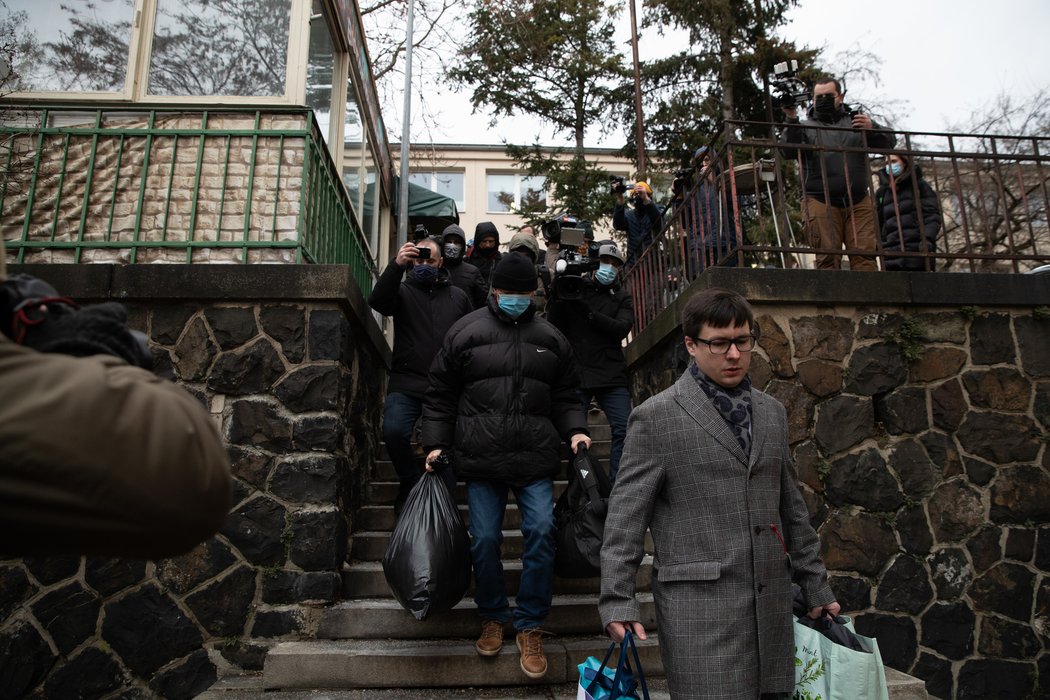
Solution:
(368, 641)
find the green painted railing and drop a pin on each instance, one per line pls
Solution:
(180, 185)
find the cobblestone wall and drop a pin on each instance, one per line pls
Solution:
(921, 443)
(296, 389)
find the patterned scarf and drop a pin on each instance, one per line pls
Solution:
(734, 405)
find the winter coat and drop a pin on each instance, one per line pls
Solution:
(421, 316)
(485, 264)
(899, 218)
(503, 397)
(730, 531)
(642, 225)
(468, 278)
(596, 326)
(848, 177)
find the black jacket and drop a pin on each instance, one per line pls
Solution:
(642, 225)
(484, 264)
(900, 218)
(848, 177)
(468, 278)
(421, 315)
(503, 396)
(596, 326)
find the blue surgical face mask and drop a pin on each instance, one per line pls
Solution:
(424, 274)
(514, 305)
(606, 274)
(894, 169)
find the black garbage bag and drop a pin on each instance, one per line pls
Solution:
(427, 562)
(579, 516)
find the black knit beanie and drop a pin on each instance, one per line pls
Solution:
(515, 273)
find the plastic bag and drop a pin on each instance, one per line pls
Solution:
(579, 516)
(427, 563)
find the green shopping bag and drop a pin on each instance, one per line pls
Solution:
(829, 670)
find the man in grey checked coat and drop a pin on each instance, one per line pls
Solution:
(707, 468)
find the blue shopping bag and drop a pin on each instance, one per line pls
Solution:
(598, 681)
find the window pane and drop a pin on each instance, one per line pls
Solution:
(229, 48)
(421, 179)
(500, 193)
(533, 191)
(450, 185)
(320, 70)
(63, 45)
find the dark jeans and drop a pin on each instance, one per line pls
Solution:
(488, 501)
(616, 404)
(400, 413)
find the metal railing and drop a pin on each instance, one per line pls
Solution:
(746, 209)
(179, 185)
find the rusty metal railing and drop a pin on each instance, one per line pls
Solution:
(746, 208)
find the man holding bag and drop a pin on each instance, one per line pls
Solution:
(707, 468)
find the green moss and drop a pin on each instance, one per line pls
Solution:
(909, 336)
(968, 312)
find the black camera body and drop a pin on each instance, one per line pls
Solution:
(792, 90)
(682, 182)
(419, 232)
(423, 252)
(577, 255)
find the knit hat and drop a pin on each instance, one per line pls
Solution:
(526, 241)
(515, 273)
(643, 185)
(486, 229)
(453, 230)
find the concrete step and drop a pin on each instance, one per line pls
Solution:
(365, 579)
(431, 663)
(384, 618)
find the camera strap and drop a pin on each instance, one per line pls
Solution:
(27, 302)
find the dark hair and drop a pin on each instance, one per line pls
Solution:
(718, 308)
(825, 79)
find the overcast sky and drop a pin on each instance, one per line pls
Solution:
(941, 60)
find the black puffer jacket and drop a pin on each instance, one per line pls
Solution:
(596, 326)
(468, 278)
(847, 172)
(899, 218)
(503, 396)
(421, 315)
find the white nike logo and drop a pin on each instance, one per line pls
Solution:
(541, 350)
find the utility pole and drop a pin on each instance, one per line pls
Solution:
(406, 118)
(638, 133)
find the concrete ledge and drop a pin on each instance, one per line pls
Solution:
(200, 283)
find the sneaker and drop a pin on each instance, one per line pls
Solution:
(491, 639)
(533, 660)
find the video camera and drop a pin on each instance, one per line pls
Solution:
(618, 184)
(682, 182)
(793, 91)
(577, 255)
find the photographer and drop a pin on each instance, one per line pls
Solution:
(99, 458)
(424, 306)
(642, 222)
(837, 208)
(596, 323)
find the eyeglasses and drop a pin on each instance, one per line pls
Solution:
(720, 346)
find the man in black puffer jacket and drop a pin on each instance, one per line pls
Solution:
(423, 307)
(503, 397)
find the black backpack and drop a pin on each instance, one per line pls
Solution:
(579, 516)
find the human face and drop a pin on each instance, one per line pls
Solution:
(487, 243)
(726, 370)
(827, 89)
(895, 159)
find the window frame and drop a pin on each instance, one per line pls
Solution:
(518, 177)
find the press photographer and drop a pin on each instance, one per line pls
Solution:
(596, 316)
(642, 220)
(576, 255)
(138, 468)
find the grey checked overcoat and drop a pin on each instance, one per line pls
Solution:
(729, 532)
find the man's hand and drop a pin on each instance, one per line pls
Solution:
(616, 629)
(406, 255)
(831, 609)
(575, 442)
(434, 454)
(862, 121)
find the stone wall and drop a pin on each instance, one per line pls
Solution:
(290, 363)
(919, 418)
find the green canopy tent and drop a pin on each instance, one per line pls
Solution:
(435, 211)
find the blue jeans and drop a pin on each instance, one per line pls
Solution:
(616, 404)
(488, 501)
(400, 413)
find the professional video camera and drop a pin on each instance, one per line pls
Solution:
(577, 255)
(793, 91)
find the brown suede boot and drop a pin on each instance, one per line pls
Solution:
(491, 640)
(533, 660)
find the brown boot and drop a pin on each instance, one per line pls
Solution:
(491, 640)
(533, 660)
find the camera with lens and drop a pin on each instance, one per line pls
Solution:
(577, 255)
(618, 184)
(682, 182)
(419, 233)
(792, 91)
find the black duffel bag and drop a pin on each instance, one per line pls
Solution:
(579, 516)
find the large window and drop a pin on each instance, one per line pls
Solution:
(320, 71)
(519, 191)
(448, 183)
(203, 48)
(63, 46)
